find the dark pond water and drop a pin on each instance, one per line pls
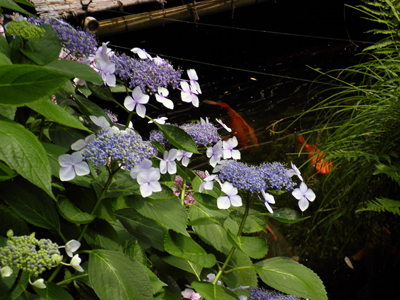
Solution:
(235, 66)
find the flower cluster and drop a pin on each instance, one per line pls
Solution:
(79, 43)
(29, 254)
(276, 177)
(148, 74)
(125, 146)
(24, 30)
(203, 133)
(262, 294)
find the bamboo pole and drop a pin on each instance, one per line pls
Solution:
(156, 18)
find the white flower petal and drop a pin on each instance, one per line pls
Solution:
(82, 169)
(129, 103)
(141, 110)
(6, 272)
(75, 263)
(303, 204)
(236, 200)
(310, 195)
(39, 283)
(67, 173)
(223, 202)
(71, 247)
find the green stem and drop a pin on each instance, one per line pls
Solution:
(16, 282)
(183, 192)
(70, 279)
(246, 213)
(54, 274)
(103, 193)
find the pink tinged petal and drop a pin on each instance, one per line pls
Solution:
(141, 53)
(185, 86)
(236, 200)
(223, 125)
(65, 160)
(141, 110)
(163, 91)
(235, 154)
(195, 86)
(129, 103)
(268, 197)
(192, 74)
(223, 202)
(297, 193)
(268, 207)
(303, 204)
(195, 101)
(110, 80)
(185, 161)
(168, 103)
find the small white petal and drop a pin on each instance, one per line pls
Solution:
(67, 173)
(71, 247)
(6, 272)
(75, 263)
(129, 103)
(303, 204)
(223, 202)
(236, 200)
(39, 283)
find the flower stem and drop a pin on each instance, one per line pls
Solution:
(183, 192)
(103, 193)
(245, 215)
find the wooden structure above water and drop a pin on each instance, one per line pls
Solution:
(122, 16)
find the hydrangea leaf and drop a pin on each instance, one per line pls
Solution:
(53, 152)
(9, 219)
(89, 108)
(75, 69)
(10, 4)
(53, 292)
(171, 214)
(206, 200)
(127, 277)
(7, 283)
(184, 264)
(4, 47)
(253, 246)
(178, 138)
(21, 150)
(22, 84)
(213, 292)
(212, 234)
(101, 91)
(56, 113)
(185, 247)
(144, 229)
(8, 111)
(100, 234)
(31, 203)
(6, 172)
(4, 60)
(45, 49)
(72, 213)
(242, 277)
(290, 277)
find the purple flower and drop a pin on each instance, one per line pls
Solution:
(141, 53)
(168, 164)
(227, 147)
(204, 134)
(191, 294)
(261, 294)
(184, 156)
(303, 194)
(148, 181)
(268, 198)
(276, 177)
(231, 198)
(72, 165)
(193, 80)
(215, 153)
(208, 183)
(137, 100)
(162, 98)
(189, 94)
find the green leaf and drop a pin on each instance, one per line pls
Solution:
(101, 91)
(144, 229)
(6, 172)
(114, 275)
(4, 47)
(25, 2)
(287, 215)
(170, 214)
(75, 69)
(72, 213)
(10, 220)
(53, 292)
(8, 111)
(156, 284)
(206, 200)
(45, 49)
(10, 4)
(212, 234)
(53, 152)
(31, 204)
(56, 113)
(178, 138)
(7, 283)
(241, 277)
(213, 292)
(184, 264)
(4, 60)
(65, 136)
(100, 234)
(185, 247)
(253, 246)
(21, 150)
(22, 84)
(290, 277)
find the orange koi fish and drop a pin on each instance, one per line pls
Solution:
(243, 132)
(317, 160)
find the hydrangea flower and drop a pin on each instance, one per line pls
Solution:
(125, 146)
(215, 153)
(231, 198)
(208, 183)
(6, 272)
(294, 171)
(141, 53)
(202, 133)
(72, 165)
(227, 148)
(193, 80)
(223, 125)
(144, 165)
(71, 247)
(191, 294)
(137, 100)
(189, 94)
(268, 199)
(39, 283)
(148, 181)
(262, 294)
(160, 120)
(303, 194)
(275, 174)
(184, 156)
(81, 145)
(75, 263)
(162, 97)
(168, 164)
(158, 136)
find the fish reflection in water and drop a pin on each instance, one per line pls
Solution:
(243, 131)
